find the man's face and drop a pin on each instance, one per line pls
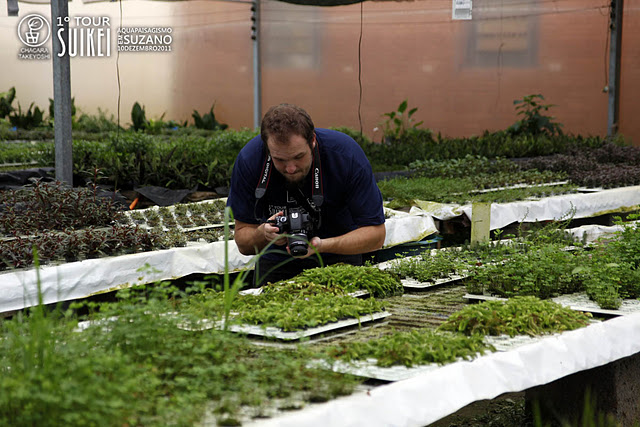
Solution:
(293, 160)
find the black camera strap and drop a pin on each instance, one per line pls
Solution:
(317, 192)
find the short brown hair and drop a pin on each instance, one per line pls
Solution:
(285, 120)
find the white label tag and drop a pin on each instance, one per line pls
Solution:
(461, 9)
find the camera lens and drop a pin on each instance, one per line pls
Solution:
(298, 244)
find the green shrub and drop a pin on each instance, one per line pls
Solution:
(533, 121)
(520, 315)
(207, 121)
(6, 99)
(398, 123)
(138, 117)
(544, 272)
(411, 348)
(30, 119)
(99, 123)
(136, 159)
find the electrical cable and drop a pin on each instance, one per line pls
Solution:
(500, 55)
(118, 78)
(607, 46)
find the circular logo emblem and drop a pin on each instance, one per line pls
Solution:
(34, 30)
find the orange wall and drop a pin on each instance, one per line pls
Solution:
(410, 50)
(413, 50)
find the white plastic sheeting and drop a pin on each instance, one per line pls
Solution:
(432, 395)
(404, 227)
(592, 232)
(579, 205)
(19, 289)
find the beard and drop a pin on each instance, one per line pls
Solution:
(298, 177)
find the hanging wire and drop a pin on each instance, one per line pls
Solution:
(500, 55)
(118, 76)
(607, 43)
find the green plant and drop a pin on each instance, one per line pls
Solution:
(484, 172)
(411, 348)
(28, 120)
(96, 123)
(6, 99)
(52, 109)
(534, 122)
(359, 137)
(611, 271)
(351, 278)
(138, 117)
(543, 272)
(156, 126)
(207, 121)
(32, 152)
(54, 206)
(131, 350)
(135, 158)
(403, 190)
(231, 290)
(398, 122)
(521, 315)
(427, 267)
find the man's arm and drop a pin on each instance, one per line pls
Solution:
(361, 240)
(252, 238)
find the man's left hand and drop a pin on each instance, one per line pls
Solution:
(314, 248)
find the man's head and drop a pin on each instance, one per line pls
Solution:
(288, 132)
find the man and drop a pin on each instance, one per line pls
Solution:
(318, 175)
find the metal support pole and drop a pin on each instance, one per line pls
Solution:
(62, 92)
(12, 7)
(615, 48)
(257, 89)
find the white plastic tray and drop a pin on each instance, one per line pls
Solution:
(277, 333)
(577, 301)
(369, 369)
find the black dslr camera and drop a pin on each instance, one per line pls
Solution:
(299, 225)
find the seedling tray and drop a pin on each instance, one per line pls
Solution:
(258, 291)
(410, 284)
(277, 333)
(369, 369)
(577, 301)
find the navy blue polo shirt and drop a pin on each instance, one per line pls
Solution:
(351, 197)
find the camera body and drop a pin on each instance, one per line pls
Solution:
(299, 225)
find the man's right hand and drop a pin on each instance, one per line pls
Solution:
(271, 232)
(252, 238)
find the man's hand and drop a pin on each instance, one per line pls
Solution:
(314, 248)
(361, 240)
(252, 238)
(271, 232)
